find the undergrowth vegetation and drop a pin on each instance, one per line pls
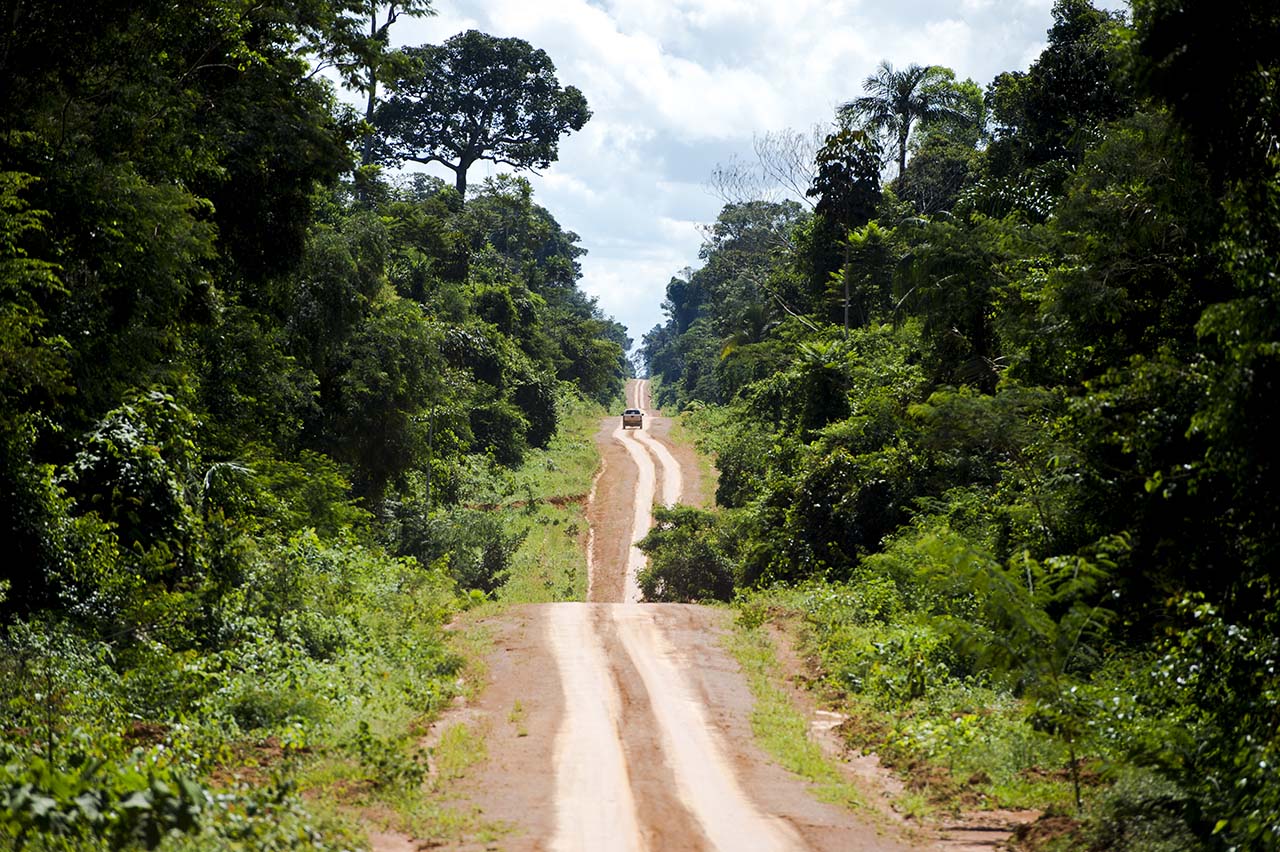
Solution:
(331, 662)
(336, 650)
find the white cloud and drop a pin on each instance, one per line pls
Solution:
(566, 184)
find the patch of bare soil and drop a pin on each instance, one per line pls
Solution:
(520, 708)
(1038, 834)
(387, 841)
(250, 761)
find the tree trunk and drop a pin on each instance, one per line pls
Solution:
(460, 180)
(366, 150)
(902, 149)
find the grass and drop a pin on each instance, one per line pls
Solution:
(566, 467)
(779, 727)
(914, 805)
(959, 746)
(553, 484)
(551, 562)
(460, 748)
(394, 780)
(516, 718)
(472, 641)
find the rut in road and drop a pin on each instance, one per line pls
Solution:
(600, 647)
(635, 728)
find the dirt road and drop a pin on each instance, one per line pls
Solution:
(618, 725)
(628, 513)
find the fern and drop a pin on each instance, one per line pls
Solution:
(1043, 625)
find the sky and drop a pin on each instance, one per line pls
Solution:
(677, 87)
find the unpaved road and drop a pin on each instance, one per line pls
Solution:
(653, 472)
(618, 725)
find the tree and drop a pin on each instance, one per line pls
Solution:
(847, 186)
(1212, 65)
(945, 155)
(478, 97)
(376, 57)
(1052, 112)
(784, 168)
(355, 43)
(32, 363)
(897, 100)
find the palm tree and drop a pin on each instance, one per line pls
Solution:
(823, 380)
(897, 100)
(754, 325)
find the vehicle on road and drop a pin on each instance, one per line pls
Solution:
(633, 417)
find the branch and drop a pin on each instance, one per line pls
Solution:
(434, 159)
(737, 183)
(788, 157)
(513, 164)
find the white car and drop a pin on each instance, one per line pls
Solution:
(633, 417)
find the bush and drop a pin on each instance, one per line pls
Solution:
(128, 805)
(473, 543)
(687, 558)
(145, 801)
(1142, 812)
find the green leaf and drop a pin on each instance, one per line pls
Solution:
(139, 800)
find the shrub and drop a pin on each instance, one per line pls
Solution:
(1142, 812)
(687, 558)
(473, 543)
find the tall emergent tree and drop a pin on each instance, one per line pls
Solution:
(897, 100)
(478, 97)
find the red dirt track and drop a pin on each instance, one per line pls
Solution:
(620, 725)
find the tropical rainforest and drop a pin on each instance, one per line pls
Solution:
(255, 396)
(990, 398)
(1000, 430)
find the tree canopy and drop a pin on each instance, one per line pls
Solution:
(1042, 455)
(478, 97)
(250, 398)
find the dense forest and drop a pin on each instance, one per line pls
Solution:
(1001, 428)
(988, 394)
(254, 395)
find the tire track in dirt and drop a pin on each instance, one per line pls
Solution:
(704, 777)
(669, 473)
(641, 512)
(590, 764)
(635, 469)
